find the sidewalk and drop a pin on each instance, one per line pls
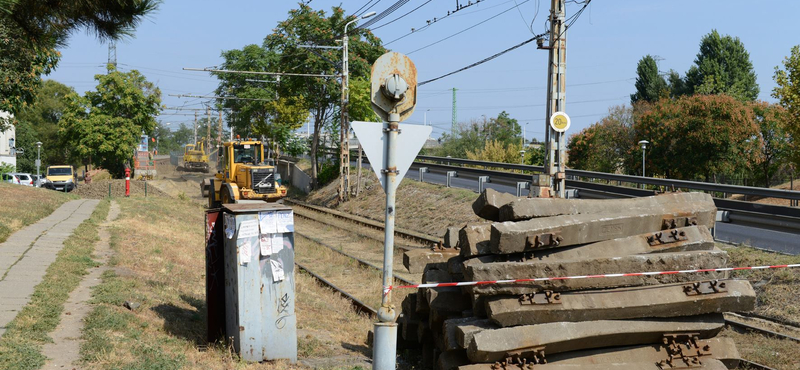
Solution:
(27, 254)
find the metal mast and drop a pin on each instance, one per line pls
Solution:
(455, 114)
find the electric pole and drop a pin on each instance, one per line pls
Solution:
(455, 114)
(112, 53)
(208, 129)
(556, 97)
(195, 127)
(219, 133)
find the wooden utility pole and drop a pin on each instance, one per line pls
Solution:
(556, 97)
(219, 133)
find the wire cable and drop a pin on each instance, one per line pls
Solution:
(468, 28)
(383, 14)
(528, 41)
(401, 17)
(432, 22)
(362, 7)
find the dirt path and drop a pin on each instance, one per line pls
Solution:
(65, 349)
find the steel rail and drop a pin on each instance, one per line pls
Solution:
(360, 261)
(427, 240)
(762, 331)
(399, 246)
(755, 365)
(360, 307)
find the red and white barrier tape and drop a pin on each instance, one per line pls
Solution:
(386, 290)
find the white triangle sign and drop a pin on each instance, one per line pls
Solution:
(373, 140)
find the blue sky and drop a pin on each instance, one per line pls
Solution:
(603, 48)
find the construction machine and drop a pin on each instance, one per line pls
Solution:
(243, 174)
(195, 157)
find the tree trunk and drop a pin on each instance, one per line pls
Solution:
(318, 117)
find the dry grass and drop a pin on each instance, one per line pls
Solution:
(159, 263)
(423, 207)
(776, 353)
(21, 206)
(776, 290)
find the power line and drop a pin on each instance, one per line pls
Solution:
(401, 17)
(482, 60)
(468, 28)
(391, 9)
(432, 22)
(517, 89)
(362, 7)
(368, 8)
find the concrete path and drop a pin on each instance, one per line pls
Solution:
(65, 349)
(25, 256)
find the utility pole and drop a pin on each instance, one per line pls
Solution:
(556, 97)
(112, 53)
(208, 130)
(219, 133)
(195, 127)
(455, 114)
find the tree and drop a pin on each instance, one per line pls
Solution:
(360, 106)
(308, 26)
(722, 66)
(698, 135)
(472, 136)
(30, 30)
(650, 86)
(104, 126)
(605, 146)
(788, 94)
(774, 141)
(43, 117)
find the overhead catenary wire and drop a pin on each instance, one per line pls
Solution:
(402, 16)
(435, 20)
(391, 9)
(484, 60)
(468, 28)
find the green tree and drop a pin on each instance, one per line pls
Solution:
(722, 66)
(650, 86)
(473, 136)
(698, 135)
(788, 94)
(43, 117)
(104, 126)
(605, 145)
(360, 107)
(774, 141)
(308, 26)
(30, 30)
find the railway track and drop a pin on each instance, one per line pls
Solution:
(423, 239)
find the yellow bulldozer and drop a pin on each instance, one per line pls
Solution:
(195, 157)
(243, 174)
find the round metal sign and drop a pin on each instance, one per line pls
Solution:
(560, 121)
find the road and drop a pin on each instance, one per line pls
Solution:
(771, 240)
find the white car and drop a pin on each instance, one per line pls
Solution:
(24, 178)
(10, 178)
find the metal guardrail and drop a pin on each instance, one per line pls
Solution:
(669, 183)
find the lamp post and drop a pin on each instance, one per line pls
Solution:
(643, 143)
(344, 135)
(426, 117)
(38, 163)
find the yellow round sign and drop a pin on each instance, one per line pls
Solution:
(559, 121)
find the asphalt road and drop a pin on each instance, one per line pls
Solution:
(771, 240)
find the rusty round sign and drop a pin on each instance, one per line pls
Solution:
(393, 86)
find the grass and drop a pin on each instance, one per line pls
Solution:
(159, 263)
(20, 346)
(21, 206)
(776, 290)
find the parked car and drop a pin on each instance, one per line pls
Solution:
(60, 178)
(37, 180)
(24, 178)
(10, 178)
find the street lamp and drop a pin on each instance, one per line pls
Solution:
(345, 56)
(38, 162)
(643, 143)
(426, 117)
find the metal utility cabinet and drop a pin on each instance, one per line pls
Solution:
(254, 274)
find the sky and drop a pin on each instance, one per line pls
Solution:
(603, 48)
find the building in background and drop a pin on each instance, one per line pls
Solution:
(8, 141)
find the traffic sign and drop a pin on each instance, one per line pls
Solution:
(373, 140)
(560, 121)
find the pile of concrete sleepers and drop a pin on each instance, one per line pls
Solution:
(642, 322)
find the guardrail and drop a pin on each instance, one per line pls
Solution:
(668, 183)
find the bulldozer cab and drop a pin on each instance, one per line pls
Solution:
(244, 174)
(188, 148)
